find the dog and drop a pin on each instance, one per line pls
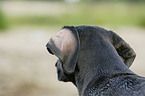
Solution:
(96, 61)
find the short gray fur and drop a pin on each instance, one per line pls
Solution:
(99, 70)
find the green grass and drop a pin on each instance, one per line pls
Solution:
(3, 23)
(120, 14)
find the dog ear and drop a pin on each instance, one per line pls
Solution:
(65, 45)
(126, 53)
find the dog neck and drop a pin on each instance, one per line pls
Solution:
(97, 65)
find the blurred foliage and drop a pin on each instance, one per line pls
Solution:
(3, 24)
(109, 13)
(142, 21)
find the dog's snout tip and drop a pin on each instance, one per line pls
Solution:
(48, 49)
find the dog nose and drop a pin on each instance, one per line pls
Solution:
(48, 49)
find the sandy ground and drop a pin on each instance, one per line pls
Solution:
(26, 69)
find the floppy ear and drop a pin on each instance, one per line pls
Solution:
(126, 53)
(65, 45)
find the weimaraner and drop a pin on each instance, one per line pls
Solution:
(96, 61)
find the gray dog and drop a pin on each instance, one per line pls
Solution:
(96, 61)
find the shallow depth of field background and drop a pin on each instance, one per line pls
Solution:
(26, 68)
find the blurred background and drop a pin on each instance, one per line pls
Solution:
(26, 68)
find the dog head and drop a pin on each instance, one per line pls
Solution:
(69, 45)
